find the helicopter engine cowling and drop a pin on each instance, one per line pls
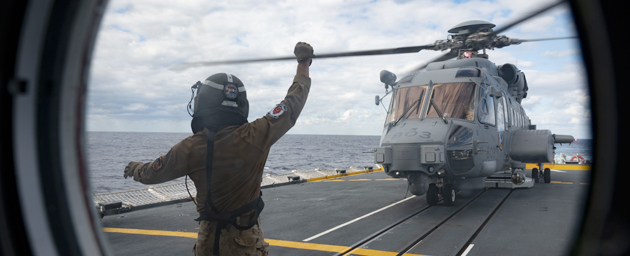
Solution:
(532, 146)
(515, 79)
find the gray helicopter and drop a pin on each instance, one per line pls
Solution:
(457, 122)
(453, 123)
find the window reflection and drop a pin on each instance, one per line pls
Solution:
(456, 100)
(486, 108)
(408, 101)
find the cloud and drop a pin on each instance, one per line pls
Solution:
(131, 88)
(560, 54)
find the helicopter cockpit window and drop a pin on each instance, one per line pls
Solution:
(467, 72)
(456, 100)
(486, 108)
(407, 101)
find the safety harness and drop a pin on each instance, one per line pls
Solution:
(211, 213)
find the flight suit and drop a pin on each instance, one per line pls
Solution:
(240, 153)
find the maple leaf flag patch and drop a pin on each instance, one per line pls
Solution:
(277, 111)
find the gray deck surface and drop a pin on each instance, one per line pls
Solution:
(537, 221)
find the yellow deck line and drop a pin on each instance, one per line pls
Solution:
(343, 175)
(572, 167)
(272, 242)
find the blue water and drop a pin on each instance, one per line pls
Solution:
(110, 152)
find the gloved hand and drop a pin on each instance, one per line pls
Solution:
(303, 51)
(129, 170)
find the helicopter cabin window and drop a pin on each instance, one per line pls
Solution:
(486, 107)
(407, 103)
(501, 118)
(455, 100)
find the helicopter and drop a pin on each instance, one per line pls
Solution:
(453, 123)
(457, 122)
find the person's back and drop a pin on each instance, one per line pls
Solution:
(238, 153)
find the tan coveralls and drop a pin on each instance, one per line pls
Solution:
(240, 153)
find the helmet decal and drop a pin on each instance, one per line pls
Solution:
(231, 91)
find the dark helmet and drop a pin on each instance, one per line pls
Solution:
(221, 101)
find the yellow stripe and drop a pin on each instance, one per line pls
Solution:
(360, 180)
(388, 179)
(151, 232)
(573, 167)
(343, 175)
(272, 242)
(561, 182)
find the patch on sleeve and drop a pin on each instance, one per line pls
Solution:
(157, 164)
(277, 111)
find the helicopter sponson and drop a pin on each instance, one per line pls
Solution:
(457, 122)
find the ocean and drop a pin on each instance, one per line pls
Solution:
(110, 152)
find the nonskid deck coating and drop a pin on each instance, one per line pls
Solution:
(545, 214)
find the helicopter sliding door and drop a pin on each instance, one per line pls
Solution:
(488, 136)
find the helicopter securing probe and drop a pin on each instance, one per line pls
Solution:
(453, 123)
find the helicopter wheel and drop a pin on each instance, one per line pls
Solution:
(448, 192)
(535, 174)
(547, 175)
(432, 194)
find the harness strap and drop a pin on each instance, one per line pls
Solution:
(223, 219)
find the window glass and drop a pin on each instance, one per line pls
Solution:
(501, 121)
(486, 107)
(407, 101)
(455, 100)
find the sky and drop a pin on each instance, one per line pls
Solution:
(131, 88)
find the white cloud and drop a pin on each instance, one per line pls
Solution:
(560, 54)
(131, 88)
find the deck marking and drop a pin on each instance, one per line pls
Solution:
(272, 242)
(360, 180)
(355, 220)
(570, 167)
(387, 179)
(151, 232)
(332, 180)
(561, 182)
(468, 250)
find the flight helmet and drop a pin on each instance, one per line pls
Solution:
(221, 100)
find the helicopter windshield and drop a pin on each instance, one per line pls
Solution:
(455, 100)
(408, 102)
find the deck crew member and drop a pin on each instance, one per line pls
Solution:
(234, 153)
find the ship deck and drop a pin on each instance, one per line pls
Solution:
(368, 214)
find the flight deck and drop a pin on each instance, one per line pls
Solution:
(368, 214)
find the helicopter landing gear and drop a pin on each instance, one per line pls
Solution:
(535, 175)
(445, 191)
(448, 193)
(547, 175)
(432, 194)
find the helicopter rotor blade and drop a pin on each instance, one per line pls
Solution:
(400, 50)
(541, 39)
(504, 28)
